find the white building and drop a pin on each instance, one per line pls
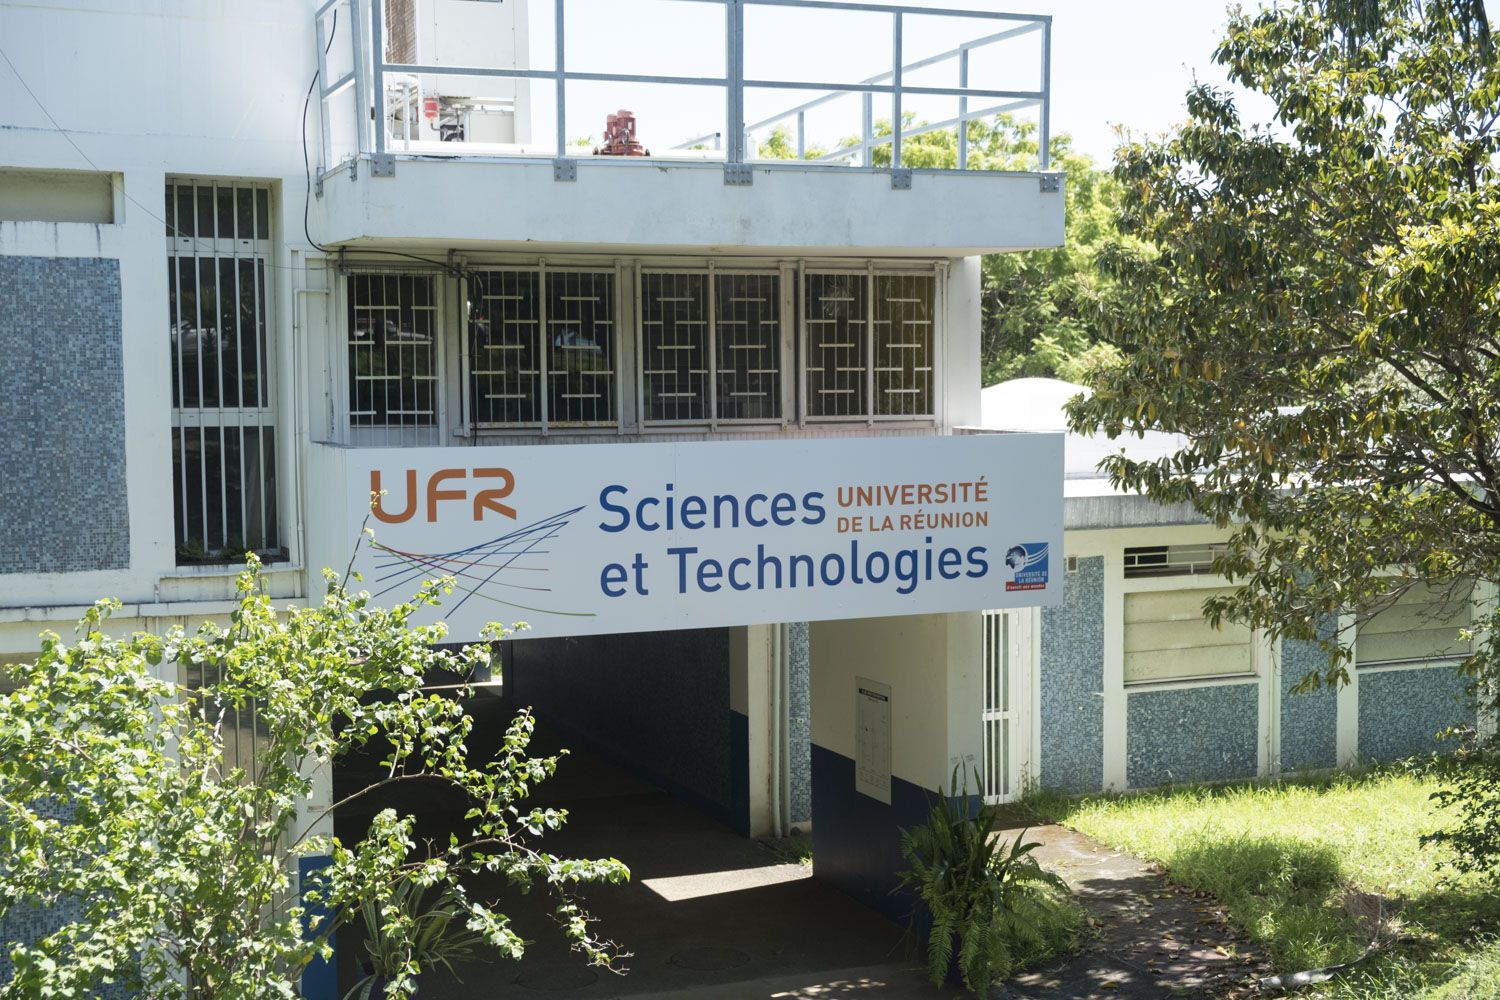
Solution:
(1124, 685)
(215, 298)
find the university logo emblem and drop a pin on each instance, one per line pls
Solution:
(1028, 565)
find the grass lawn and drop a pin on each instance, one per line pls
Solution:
(1282, 857)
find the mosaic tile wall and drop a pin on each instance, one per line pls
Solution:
(655, 702)
(1191, 734)
(27, 923)
(62, 408)
(799, 708)
(1072, 683)
(1309, 722)
(1401, 711)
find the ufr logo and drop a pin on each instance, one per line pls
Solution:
(1028, 565)
(446, 486)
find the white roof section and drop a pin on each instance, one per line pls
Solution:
(1037, 404)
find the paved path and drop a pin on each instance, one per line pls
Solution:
(1148, 938)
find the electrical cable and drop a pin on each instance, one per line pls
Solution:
(307, 173)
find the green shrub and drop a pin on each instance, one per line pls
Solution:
(989, 895)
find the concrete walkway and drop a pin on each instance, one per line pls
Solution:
(1148, 938)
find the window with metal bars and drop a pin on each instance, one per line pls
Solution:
(542, 348)
(869, 341)
(710, 346)
(393, 371)
(223, 417)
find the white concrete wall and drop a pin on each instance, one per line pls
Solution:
(933, 666)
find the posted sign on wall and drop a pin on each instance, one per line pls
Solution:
(585, 539)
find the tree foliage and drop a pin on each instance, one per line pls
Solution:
(117, 798)
(1315, 304)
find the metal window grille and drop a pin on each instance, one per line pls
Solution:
(511, 359)
(747, 346)
(581, 349)
(870, 344)
(837, 333)
(392, 350)
(1170, 560)
(223, 416)
(675, 345)
(998, 717)
(903, 340)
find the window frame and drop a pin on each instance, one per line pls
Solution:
(1418, 662)
(869, 417)
(1261, 653)
(260, 252)
(712, 270)
(544, 424)
(395, 435)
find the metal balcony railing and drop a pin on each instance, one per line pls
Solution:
(372, 106)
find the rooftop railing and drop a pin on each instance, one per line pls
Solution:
(944, 70)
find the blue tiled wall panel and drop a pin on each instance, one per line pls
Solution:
(1191, 734)
(1309, 722)
(62, 410)
(654, 702)
(799, 710)
(1072, 682)
(1402, 711)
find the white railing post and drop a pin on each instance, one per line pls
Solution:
(896, 91)
(963, 110)
(325, 144)
(362, 96)
(558, 67)
(734, 62)
(801, 135)
(867, 128)
(377, 73)
(1044, 153)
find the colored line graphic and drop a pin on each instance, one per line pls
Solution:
(480, 570)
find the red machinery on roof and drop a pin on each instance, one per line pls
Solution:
(619, 136)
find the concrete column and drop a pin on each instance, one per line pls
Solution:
(931, 667)
(752, 658)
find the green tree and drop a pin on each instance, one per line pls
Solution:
(1039, 306)
(117, 798)
(781, 144)
(1315, 304)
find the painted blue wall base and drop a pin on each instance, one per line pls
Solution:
(320, 978)
(857, 839)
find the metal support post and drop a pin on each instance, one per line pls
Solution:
(559, 15)
(734, 61)
(896, 92)
(963, 110)
(1044, 154)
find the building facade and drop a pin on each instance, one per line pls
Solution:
(243, 244)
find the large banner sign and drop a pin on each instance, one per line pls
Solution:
(585, 539)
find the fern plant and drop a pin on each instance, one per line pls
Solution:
(985, 896)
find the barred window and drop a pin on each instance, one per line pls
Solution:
(747, 346)
(711, 346)
(870, 344)
(674, 345)
(542, 348)
(392, 350)
(223, 415)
